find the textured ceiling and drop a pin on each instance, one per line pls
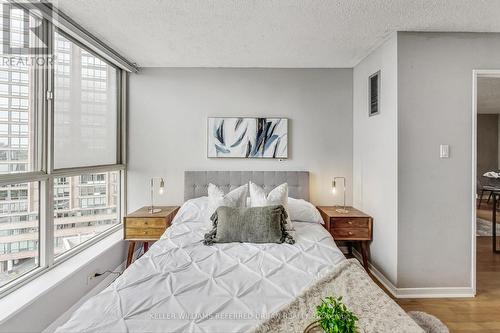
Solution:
(268, 33)
(488, 95)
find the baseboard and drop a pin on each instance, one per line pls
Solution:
(377, 274)
(96, 290)
(437, 292)
(434, 292)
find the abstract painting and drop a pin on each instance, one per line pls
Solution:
(248, 137)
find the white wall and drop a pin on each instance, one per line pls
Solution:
(168, 119)
(435, 195)
(375, 155)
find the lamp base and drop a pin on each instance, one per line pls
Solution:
(342, 210)
(154, 210)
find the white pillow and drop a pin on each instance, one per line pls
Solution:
(235, 198)
(303, 211)
(278, 196)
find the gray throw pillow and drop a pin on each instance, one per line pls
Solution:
(249, 225)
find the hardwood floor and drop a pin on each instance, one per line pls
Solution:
(484, 212)
(479, 314)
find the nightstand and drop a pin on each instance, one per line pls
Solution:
(354, 226)
(144, 227)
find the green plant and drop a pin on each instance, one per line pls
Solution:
(334, 316)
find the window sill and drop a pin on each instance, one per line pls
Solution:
(20, 298)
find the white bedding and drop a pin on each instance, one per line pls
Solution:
(181, 285)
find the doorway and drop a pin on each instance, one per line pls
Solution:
(486, 182)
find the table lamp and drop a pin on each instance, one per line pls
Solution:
(334, 189)
(161, 190)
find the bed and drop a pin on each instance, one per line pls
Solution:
(181, 285)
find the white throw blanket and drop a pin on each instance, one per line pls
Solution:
(376, 311)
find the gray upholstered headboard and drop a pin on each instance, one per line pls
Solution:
(196, 182)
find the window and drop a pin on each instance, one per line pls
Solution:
(85, 109)
(18, 122)
(92, 210)
(53, 205)
(19, 211)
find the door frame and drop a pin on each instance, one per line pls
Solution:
(475, 74)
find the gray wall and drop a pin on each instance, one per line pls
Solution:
(435, 195)
(487, 143)
(168, 120)
(375, 155)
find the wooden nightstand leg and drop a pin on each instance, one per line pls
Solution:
(145, 247)
(131, 247)
(364, 253)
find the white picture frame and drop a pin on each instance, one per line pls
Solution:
(247, 137)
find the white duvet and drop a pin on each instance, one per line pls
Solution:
(181, 285)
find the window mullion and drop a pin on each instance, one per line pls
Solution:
(122, 141)
(123, 194)
(46, 223)
(123, 88)
(47, 201)
(87, 169)
(119, 117)
(15, 178)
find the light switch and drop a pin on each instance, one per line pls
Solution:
(444, 151)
